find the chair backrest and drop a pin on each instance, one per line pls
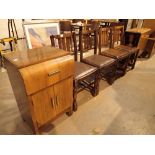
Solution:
(65, 26)
(66, 42)
(117, 35)
(95, 25)
(104, 39)
(87, 40)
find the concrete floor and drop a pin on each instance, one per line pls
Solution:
(126, 107)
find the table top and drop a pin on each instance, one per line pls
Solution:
(33, 56)
(139, 30)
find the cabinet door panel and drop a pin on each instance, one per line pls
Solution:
(63, 94)
(43, 104)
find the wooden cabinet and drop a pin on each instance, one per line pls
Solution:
(137, 37)
(50, 102)
(43, 87)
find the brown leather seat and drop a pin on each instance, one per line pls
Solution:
(99, 61)
(115, 53)
(133, 51)
(118, 34)
(127, 48)
(82, 70)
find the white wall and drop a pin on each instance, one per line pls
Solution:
(4, 28)
(4, 33)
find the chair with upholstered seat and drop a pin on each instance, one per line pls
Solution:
(105, 65)
(86, 76)
(122, 57)
(118, 42)
(133, 52)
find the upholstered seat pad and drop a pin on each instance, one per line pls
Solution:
(115, 53)
(82, 70)
(127, 48)
(99, 61)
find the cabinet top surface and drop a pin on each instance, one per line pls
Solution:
(33, 56)
(139, 30)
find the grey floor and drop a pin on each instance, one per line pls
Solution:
(126, 107)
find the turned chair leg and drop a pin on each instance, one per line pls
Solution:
(75, 97)
(112, 77)
(1, 60)
(134, 61)
(126, 65)
(96, 84)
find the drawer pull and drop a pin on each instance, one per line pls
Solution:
(53, 73)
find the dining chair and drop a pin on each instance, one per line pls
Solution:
(122, 57)
(118, 42)
(86, 77)
(105, 65)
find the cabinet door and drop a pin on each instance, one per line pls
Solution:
(43, 106)
(63, 94)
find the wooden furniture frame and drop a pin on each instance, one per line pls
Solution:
(106, 66)
(117, 35)
(134, 37)
(86, 76)
(149, 45)
(39, 79)
(106, 38)
(148, 48)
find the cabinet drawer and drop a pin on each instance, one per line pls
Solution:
(42, 75)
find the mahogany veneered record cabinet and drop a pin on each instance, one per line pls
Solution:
(42, 82)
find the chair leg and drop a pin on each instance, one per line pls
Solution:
(1, 65)
(75, 97)
(96, 84)
(112, 76)
(149, 54)
(134, 61)
(126, 65)
(1, 59)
